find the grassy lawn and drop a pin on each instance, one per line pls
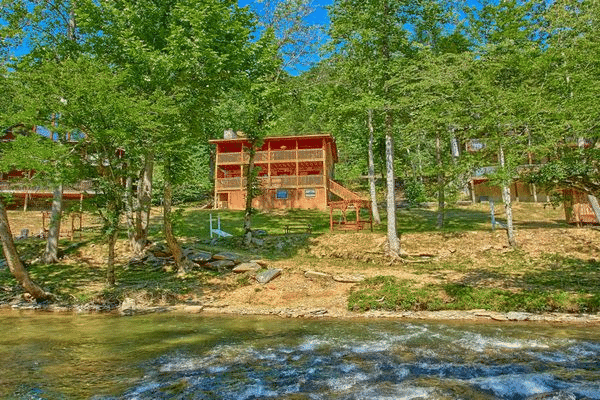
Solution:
(464, 266)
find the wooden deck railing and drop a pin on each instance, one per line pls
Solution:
(272, 182)
(18, 187)
(277, 155)
(342, 192)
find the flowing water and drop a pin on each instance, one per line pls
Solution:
(44, 356)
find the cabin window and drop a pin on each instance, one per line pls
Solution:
(281, 194)
(309, 193)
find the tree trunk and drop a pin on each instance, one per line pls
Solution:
(591, 198)
(372, 188)
(51, 253)
(144, 200)
(129, 209)
(110, 263)
(510, 232)
(168, 226)
(595, 207)
(440, 183)
(249, 196)
(392, 233)
(15, 265)
(138, 207)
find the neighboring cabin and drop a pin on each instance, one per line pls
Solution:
(578, 208)
(17, 183)
(293, 171)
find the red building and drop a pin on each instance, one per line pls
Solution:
(293, 171)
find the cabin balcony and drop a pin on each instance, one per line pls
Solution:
(273, 182)
(20, 187)
(272, 156)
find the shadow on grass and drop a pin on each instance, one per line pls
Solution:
(566, 273)
(464, 219)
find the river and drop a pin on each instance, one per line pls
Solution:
(173, 356)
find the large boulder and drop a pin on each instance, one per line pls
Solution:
(200, 257)
(225, 255)
(247, 267)
(268, 275)
(220, 265)
(159, 249)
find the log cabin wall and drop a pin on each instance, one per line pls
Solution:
(293, 172)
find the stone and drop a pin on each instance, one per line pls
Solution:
(24, 234)
(267, 276)
(262, 263)
(236, 258)
(156, 261)
(160, 250)
(246, 267)
(258, 242)
(138, 260)
(317, 275)
(517, 316)
(128, 306)
(193, 309)
(186, 251)
(200, 257)
(259, 232)
(220, 265)
(348, 278)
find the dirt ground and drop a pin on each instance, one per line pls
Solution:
(361, 254)
(474, 257)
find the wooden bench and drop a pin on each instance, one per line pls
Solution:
(298, 228)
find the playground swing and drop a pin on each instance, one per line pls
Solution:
(218, 230)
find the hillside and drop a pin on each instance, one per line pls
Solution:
(466, 267)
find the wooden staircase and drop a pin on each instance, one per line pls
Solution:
(342, 192)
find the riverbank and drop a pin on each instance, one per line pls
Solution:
(462, 274)
(318, 313)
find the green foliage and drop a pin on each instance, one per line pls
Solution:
(414, 192)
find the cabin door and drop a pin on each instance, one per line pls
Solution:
(224, 200)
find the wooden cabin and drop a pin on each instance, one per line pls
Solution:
(293, 172)
(578, 209)
(15, 182)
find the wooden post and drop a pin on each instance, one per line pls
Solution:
(269, 157)
(216, 196)
(492, 215)
(331, 218)
(297, 167)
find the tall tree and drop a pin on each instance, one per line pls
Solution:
(571, 139)
(8, 107)
(186, 50)
(374, 36)
(49, 31)
(438, 90)
(507, 90)
(97, 100)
